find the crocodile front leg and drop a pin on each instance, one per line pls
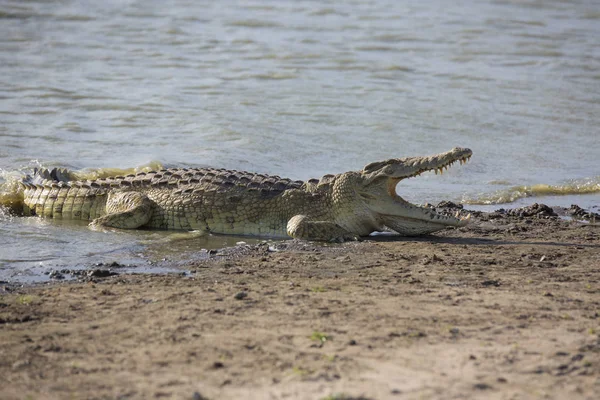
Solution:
(301, 227)
(125, 210)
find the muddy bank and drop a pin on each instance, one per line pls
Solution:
(507, 307)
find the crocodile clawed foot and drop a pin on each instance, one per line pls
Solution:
(98, 226)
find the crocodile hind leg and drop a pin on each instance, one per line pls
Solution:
(125, 210)
(301, 227)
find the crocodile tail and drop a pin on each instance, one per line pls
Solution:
(44, 176)
(38, 188)
(54, 175)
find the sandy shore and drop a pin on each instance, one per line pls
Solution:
(506, 308)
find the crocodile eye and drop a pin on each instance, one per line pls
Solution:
(389, 170)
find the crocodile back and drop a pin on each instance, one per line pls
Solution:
(208, 179)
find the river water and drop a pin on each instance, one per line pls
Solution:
(297, 89)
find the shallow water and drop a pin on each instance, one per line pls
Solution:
(299, 89)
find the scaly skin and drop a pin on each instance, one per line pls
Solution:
(334, 208)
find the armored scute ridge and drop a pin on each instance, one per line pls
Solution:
(334, 208)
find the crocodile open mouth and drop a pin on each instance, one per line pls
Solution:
(426, 213)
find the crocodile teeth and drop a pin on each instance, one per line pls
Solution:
(467, 218)
(457, 214)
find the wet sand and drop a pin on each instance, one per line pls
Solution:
(508, 307)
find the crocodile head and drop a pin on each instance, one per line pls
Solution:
(378, 192)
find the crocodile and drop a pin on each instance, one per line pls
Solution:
(337, 207)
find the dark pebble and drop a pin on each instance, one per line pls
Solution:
(449, 204)
(56, 275)
(491, 282)
(218, 365)
(577, 357)
(481, 386)
(241, 295)
(101, 273)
